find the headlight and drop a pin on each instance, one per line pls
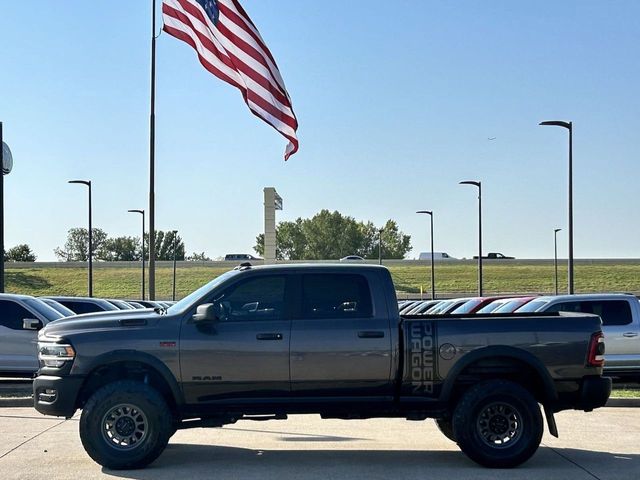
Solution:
(55, 354)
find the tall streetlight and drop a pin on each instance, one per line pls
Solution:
(555, 255)
(568, 126)
(175, 243)
(380, 246)
(433, 278)
(88, 184)
(479, 185)
(6, 164)
(142, 213)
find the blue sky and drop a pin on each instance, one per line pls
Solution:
(396, 102)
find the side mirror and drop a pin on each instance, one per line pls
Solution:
(206, 312)
(31, 324)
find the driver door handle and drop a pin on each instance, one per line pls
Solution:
(370, 334)
(269, 336)
(630, 334)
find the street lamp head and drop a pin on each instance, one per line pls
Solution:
(83, 182)
(174, 231)
(428, 212)
(136, 211)
(557, 123)
(470, 182)
(556, 230)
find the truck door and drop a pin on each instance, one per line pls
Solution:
(340, 338)
(244, 354)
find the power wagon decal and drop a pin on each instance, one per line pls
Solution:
(421, 360)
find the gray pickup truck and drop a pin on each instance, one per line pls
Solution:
(261, 343)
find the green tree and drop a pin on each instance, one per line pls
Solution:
(198, 257)
(164, 245)
(76, 248)
(20, 253)
(331, 235)
(121, 249)
(395, 244)
(290, 241)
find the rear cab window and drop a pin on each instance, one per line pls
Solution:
(335, 295)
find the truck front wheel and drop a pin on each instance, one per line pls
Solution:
(498, 424)
(125, 425)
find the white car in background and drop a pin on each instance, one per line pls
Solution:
(436, 256)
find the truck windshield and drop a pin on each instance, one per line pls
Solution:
(43, 309)
(186, 302)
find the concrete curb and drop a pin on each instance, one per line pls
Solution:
(16, 402)
(623, 402)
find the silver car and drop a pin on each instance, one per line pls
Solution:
(21, 316)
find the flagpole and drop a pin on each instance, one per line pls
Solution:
(152, 154)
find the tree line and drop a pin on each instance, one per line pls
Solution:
(20, 253)
(331, 235)
(124, 248)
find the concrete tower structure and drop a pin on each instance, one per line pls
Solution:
(272, 202)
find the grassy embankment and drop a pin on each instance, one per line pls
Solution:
(451, 278)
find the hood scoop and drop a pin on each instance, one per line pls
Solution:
(133, 322)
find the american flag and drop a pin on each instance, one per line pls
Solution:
(229, 46)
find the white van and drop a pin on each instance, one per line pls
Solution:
(436, 256)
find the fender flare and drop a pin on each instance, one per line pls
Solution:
(550, 393)
(119, 356)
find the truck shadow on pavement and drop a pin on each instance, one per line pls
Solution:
(200, 461)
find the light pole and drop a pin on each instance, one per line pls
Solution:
(433, 277)
(479, 185)
(88, 184)
(380, 246)
(6, 163)
(142, 213)
(555, 255)
(568, 126)
(175, 243)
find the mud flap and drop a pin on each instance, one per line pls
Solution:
(551, 422)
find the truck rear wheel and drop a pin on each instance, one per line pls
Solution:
(125, 425)
(498, 424)
(446, 428)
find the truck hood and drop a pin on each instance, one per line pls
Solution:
(100, 321)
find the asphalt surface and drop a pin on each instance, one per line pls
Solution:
(600, 445)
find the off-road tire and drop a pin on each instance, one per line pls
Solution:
(446, 428)
(498, 424)
(154, 431)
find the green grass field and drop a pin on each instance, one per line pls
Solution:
(451, 278)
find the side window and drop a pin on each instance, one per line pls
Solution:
(260, 298)
(567, 307)
(81, 307)
(612, 312)
(12, 314)
(335, 296)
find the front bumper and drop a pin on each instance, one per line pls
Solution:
(56, 395)
(594, 393)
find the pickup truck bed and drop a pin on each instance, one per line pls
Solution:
(265, 342)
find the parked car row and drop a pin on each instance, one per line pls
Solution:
(497, 304)
(22, 315)
(620, 315)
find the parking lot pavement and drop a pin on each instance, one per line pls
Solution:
(600, 445)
